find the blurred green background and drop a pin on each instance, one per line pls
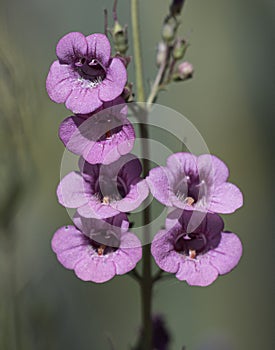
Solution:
(231, 102)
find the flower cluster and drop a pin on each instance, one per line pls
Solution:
(108, 184)
(194, 245)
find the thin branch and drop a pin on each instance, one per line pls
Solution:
(155, 87)
(106, 22)
(115, 10)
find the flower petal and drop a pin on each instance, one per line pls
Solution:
(83, 98)
(67, 237)
(99, 47)
(116, 78)
(225, 199)
(162, 249)
(70, 133)
(109, 150)
(95, 269)
(73, 191)
(159, 181)
(70, 257)
(228, 253)
(96, 210)
(182, 163)
(58, 83)
(212, 167)
(70, 47)
(138, 192)
(128, 254)
(196, 273)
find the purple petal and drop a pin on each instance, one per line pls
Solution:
(83, 98)
(116, 78)
(109, 150)
(128, 255)
(99, 47)
(71, 136)
(130, 168)
(227, 255)
(213, 167)
(97, 210)
(70, 245)
(162, 249)
(196, 273)
(70, 257)
(67, 237)
(73, 191)
(71, 47)
(159, 181)
(95, 269)
(138, 193)
(116, 223)
(126, 139)
(225, 199)
(58, 83)
(182, 163)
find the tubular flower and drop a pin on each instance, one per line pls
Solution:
(101, 191)
(85, 75)
(191, 182)
(196, 248)
(97, 250)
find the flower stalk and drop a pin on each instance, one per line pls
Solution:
(137, 51)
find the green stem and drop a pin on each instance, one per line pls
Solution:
(137, 51)
(146, 282)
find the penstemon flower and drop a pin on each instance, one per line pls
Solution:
(97, 250)
(100, 138)
(196, 248)
(191, 182)
(101, 191)
(193, 245)
(85, 75)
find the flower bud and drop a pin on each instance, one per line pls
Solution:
(161, 53)
(179, 49)
(127, 93)
(176, 6)
(169, 29)
(120, 38)
(185, 69)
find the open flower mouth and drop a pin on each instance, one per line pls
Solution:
(110, 190)
(191, 244)
(104, 242)
(190, 189)
(91, 70)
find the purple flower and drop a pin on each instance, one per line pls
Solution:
(102, 138)
(97, 250)
(191, 182)
(196, 248)
(85, 76)
(101, 191)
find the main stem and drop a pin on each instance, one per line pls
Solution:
(137, 51)
(146, 280)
